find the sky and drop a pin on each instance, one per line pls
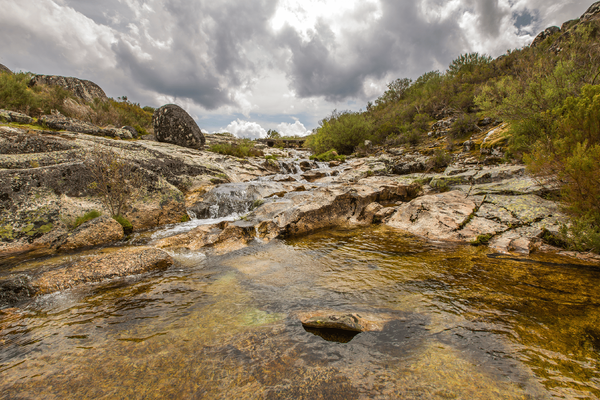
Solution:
(246, 66)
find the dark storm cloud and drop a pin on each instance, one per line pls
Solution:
(207, 55)
(401, 40)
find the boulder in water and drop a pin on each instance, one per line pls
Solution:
(98, 231)
(172, 124)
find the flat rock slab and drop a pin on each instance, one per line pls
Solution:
(354, 322)
(437, 216)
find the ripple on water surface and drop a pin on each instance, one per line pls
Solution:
(463, 323)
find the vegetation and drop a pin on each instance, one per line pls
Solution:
(243, 149)
(115, 180)
(330, 155)
(90, 215)
(16, 95)
(548, 94)
(127, 227)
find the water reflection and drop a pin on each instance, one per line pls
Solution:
(461, 324)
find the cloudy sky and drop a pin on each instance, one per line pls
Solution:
(245, 66)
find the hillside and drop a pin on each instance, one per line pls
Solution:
(538, 105)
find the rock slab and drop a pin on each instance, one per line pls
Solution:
(172, 124)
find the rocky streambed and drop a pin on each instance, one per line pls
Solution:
(254, 278)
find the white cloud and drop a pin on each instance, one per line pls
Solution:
(246, 129)
(295, 129)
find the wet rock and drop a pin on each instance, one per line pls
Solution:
(83, 89)
(222, 237)
(101, 230)
(97, 268)
(13, 116)
(405, 168)
(172, 124)
(82, 270)
(355, 322)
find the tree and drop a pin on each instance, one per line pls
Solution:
(273, 134)
(117, 181)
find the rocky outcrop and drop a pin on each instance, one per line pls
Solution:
(4, 70)
(544, 35)
(508, 223)
(85, 269)
(62, 123)
(13, 116)
(172, 124)
(82, 89)
(592, 12)
(298, 212)
(101, 230)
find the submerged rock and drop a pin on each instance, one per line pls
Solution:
(353, 322)
(172, 124)
(85, 269)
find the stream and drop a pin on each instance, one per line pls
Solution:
(464, 323)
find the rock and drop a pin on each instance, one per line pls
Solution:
(101, 230)
(307, 165)
(13, 116)
(82, 270)
(62, 123)
(405, 168)
(368, 144)
(436, 216)
(544, 34)
(4, 70)
(222, 237)
(468, 145)
(85, 90)
(172, 124)
(132, 131)
(353, 322)
(591, 12)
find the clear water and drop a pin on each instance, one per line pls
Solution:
(464, 324)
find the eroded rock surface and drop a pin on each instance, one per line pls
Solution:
(101, 230)
(83, 89)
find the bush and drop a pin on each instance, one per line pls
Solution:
(441, 159)
(464, 125)
(90, 215)
(331, 155)
(242, 150)
(342, 131)
(117, 181)
(127, 227)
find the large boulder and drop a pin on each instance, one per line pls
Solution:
(98, 231)
(85, 90)
(3, 69)
(172, 124)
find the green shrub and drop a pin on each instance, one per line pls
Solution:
(464, 125)
(441, 159)
(242, 150)
(342, 131)
(271, 157)
(330, 155)
(127, 227)
(88, 216)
